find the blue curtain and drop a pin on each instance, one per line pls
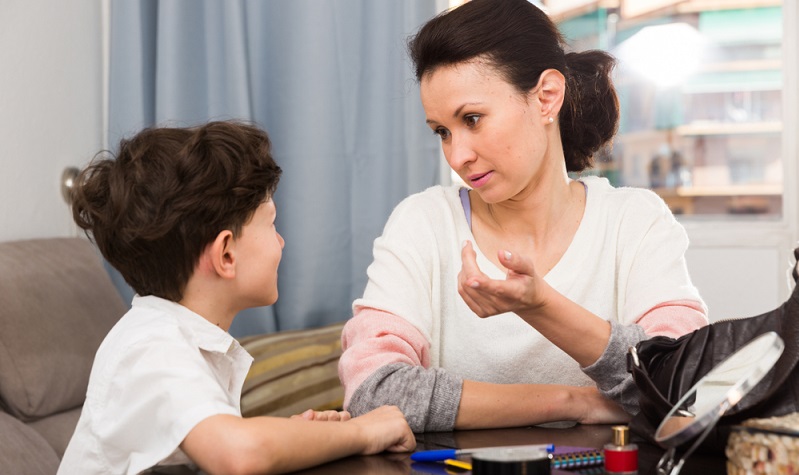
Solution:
(331, 83)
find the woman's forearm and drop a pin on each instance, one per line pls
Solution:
(487, 405)
(575, 330)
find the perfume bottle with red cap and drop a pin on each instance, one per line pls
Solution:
(621, 456)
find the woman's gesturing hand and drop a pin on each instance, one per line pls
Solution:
(522, 291)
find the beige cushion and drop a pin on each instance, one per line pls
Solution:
(56, 305)
(57, 429)
(293, 371)
(23, 450)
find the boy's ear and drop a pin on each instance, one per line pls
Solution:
(550, 92)
(221, 254)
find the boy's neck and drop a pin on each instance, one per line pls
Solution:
(210, 304)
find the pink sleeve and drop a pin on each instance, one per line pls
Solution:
(673, 319)
(372, 339)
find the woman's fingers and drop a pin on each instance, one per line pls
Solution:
(516, 263)
(487, 297)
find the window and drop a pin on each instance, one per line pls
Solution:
(700, 86)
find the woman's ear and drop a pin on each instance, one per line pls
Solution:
(222, 256)
(550, 92)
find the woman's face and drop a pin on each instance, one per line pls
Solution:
(492, 136)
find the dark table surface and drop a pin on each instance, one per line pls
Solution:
(559, 434)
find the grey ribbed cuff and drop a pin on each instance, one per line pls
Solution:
(429, 398)
(610, 370)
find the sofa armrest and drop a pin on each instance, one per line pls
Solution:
(57, 303)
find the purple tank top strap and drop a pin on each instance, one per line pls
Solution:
(467, 206)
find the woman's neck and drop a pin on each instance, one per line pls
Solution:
(536, 212)
(540, 226)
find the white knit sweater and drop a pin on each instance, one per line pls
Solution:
(626, 258)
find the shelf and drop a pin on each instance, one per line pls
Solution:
(731, 128)
(727, 190)
(742, 65)
(696, 6)
(732, 199)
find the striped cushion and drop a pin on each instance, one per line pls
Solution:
(293, 371)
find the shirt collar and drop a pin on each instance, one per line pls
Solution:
(207, 336)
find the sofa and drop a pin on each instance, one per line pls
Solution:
(57, 303)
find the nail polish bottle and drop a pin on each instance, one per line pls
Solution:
(621, 457)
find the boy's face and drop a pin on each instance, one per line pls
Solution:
(259, 249)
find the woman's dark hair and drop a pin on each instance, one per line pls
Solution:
(520, 41)
(169, 192)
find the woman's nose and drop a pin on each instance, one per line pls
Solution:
(459, 152)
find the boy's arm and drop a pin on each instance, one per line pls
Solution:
(234, 445)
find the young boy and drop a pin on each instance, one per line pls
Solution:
(187, 217)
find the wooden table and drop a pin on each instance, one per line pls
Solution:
(575, 435)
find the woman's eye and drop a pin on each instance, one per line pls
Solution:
(471, 119)
(441, 132)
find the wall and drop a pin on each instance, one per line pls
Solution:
(51, 114)
(738, 281)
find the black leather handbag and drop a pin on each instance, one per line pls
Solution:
(664, 369)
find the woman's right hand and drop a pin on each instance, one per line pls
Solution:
(385, 428)
(594, 408)
(522, 290)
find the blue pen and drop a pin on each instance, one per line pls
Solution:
(444, 454)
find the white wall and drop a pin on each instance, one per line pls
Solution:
(51, 111)
(738, 282)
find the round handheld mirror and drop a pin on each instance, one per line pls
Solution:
(697, 412)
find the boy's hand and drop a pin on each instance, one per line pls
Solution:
(385, 428)
(311, 415)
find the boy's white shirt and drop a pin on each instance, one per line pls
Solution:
(160, 371)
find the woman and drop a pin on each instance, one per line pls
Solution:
(514, 302)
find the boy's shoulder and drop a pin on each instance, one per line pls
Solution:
(154, 329)
(138, 332)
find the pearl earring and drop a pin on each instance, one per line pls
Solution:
(551, 120)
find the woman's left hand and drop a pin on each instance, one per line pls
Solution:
(522, 291)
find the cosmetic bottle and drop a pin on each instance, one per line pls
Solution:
(621, 457)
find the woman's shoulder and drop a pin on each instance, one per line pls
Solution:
(433, 201)
(424, 214)
(435, 194)
(624, 198)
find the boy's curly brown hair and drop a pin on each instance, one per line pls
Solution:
(154, 208)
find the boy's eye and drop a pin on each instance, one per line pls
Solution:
(442, 132)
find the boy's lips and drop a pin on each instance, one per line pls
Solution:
(480, 179)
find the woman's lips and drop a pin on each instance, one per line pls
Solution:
(480, 179)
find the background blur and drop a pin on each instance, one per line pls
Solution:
(708, 91)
